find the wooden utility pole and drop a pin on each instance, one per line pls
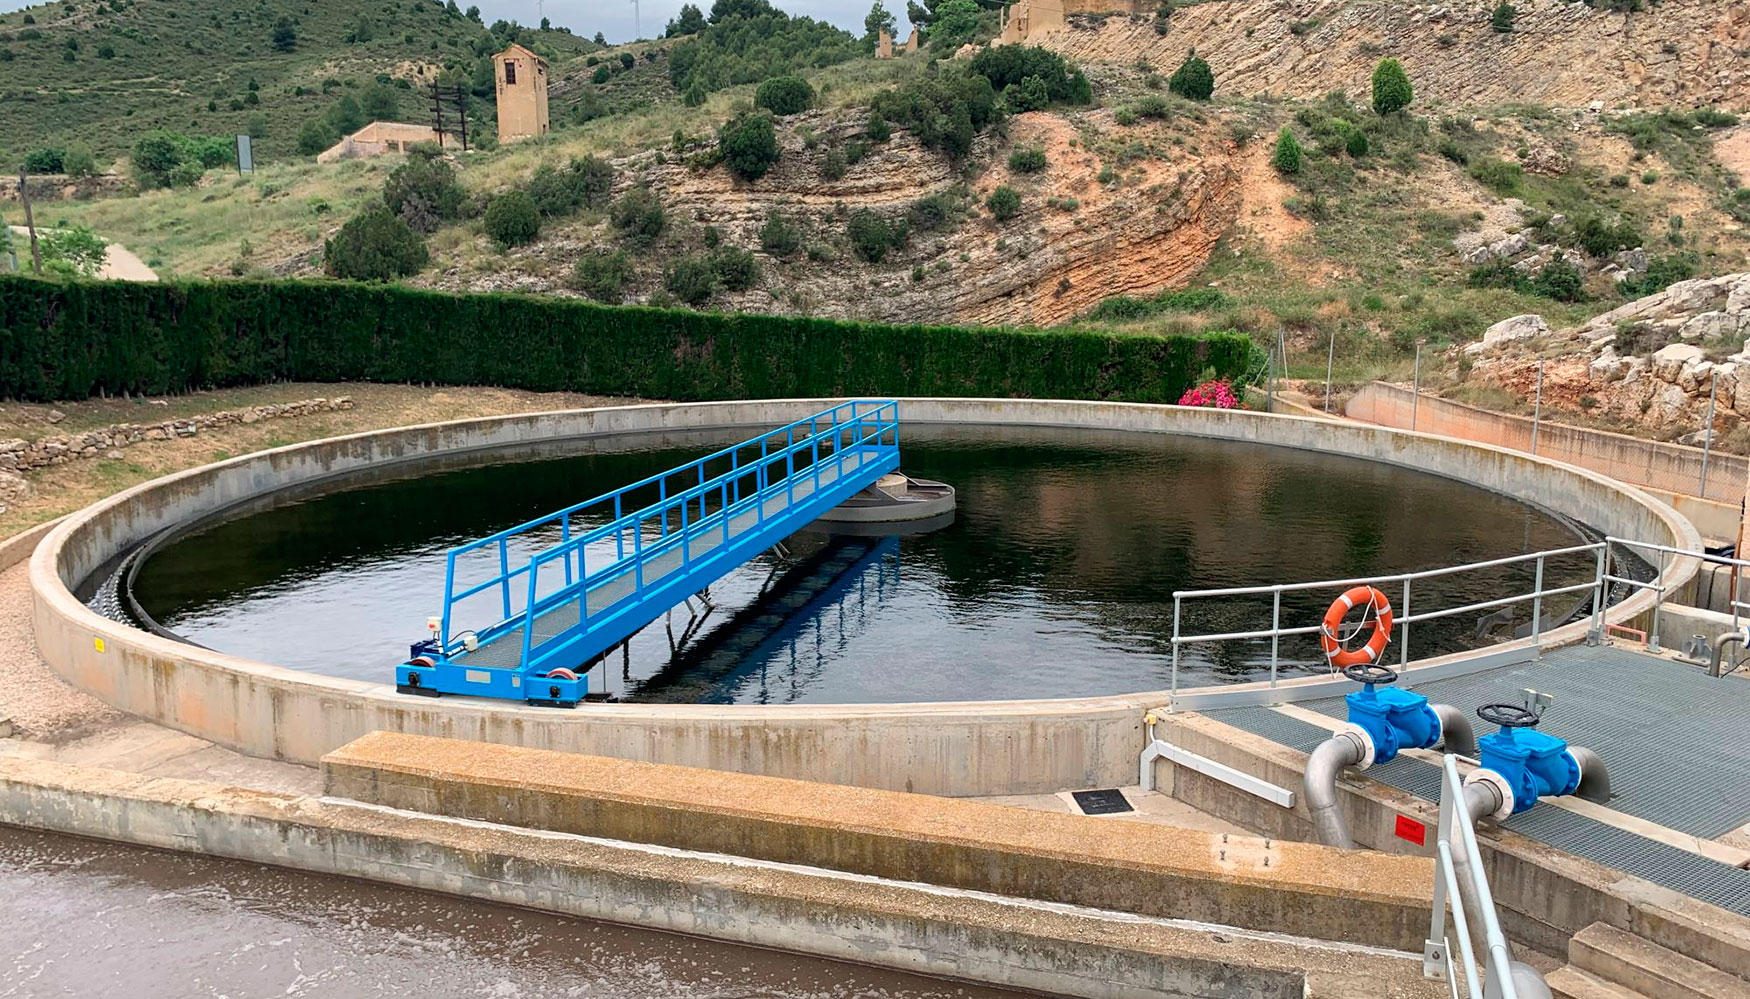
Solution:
(462, 109)
(437, 108)
(36, 257)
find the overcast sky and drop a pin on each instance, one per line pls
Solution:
(614, 18)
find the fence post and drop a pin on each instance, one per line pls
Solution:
(1330, 362)
(1537, 409)
(1270, 384)
(1416, 389)
(1707, 434)
(1537, 611)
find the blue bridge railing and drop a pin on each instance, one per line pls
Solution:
(599, 581)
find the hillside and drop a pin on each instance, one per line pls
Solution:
(1126, 207)
(105, 72)
(1560, 53)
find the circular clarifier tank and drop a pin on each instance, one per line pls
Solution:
(1055, 577)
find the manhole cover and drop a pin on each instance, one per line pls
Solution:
(1106, 801)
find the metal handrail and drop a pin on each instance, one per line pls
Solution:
(1276, 632)
(860, 412)
(1437, 962)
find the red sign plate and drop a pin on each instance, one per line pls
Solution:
(1410, 829)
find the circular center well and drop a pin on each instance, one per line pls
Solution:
(1055, 578)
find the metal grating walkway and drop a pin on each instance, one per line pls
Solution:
(1672, 736)
(1627, 706)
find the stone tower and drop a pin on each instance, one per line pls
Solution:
(522, 93)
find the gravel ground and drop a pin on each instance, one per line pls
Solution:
(42, 707)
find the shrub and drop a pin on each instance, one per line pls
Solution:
(601, 75)
(736, 269)
(1028, 160)
(628, 60)
(1559, 280)
(431, 181)
(583, 183)
(872, 236)
(1497, 175)
(749, 144)
(937, 211)
(603, 276)
(48, 160)
(1211, 395)
(878, 130)
(1004, 203)
(156, 157)
(1193, 78)
(285, 37)
(833, 166)
(1601, 239)
(374, 246)
(71, 340)
(639, 216)
(1391, 87)
(1662, 273)
(695, 96)
(512, 219)
(1286, 158)
(691, 280)
(779, 236)
(73, 251)
(1010, 65)
(1503, 17)
(784, 95)
(1356, 144)
(78, 162)
(315, 136)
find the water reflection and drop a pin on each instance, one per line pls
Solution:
(1056, 577)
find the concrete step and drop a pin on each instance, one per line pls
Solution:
(1571, 983)
(1621, 957)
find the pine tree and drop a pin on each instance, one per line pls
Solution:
(1286, 159)
(1391, 87)
(1193, 78)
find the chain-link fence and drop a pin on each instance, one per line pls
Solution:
(1675, 468)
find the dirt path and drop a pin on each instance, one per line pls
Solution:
(119, 264)
(1733, 152)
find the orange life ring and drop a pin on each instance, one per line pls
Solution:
(1374, 601)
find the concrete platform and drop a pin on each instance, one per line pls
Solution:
(1152, 870)
(947, 932)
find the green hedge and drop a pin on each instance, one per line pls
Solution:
(74, 340)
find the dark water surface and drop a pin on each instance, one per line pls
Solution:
(86, 920)
(1055, 579)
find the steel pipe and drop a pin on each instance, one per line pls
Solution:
(1328, 760)
(1720, 644)
(1594, 778)
(1456, 734)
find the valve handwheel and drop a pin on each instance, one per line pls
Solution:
(1371, 673)
(1509, 715)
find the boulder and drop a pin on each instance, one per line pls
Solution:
(1738, 298)
(1509, 330)
(1690, 297)
(1501, 249)
(1607, 367)
(1668, 405)
(1715, 326)
(1546, 161)
(1670, 360)
(1695, 378)
(1633, 261)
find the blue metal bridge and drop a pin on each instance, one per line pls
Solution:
(574, 584)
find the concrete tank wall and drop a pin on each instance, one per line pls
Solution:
(965, 748)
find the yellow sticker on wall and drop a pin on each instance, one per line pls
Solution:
(99, 643)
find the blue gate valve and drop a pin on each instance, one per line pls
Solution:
(1522, 763)
(1389, 720)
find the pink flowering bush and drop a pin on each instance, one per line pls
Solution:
(1211, 395)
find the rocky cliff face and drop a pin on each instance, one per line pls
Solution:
(1686, 53)
(1654, 363)
(1076, 242)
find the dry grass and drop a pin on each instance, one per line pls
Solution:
(64, 488)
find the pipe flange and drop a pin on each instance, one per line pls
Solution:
(1502, 787)
(1363, 740)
